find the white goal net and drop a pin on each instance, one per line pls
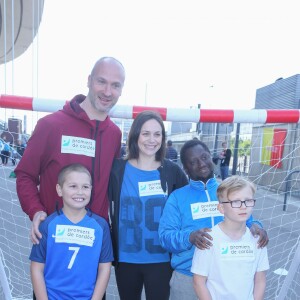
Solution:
(268, 154)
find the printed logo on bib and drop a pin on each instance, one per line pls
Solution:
(237, 251)
(150, 188)
(74, 235)
(77, 145)
(202, 210)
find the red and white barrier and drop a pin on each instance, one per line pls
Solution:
(168, 114)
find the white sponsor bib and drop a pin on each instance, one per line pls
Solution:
(150, 188)
(236, 251)
(205, 210)
(78, 145)
(74, 235)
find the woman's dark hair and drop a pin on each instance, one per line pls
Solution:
(135, 130)
(190, 144)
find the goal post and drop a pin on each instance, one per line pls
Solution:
(3, 280)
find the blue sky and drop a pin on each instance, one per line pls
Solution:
(176, 53)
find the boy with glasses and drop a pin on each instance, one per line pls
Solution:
(234, 267)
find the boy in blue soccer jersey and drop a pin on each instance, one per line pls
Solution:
(73, 258)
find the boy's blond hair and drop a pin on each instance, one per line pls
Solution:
(233, 184)
(72, 168)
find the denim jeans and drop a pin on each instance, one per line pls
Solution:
(224, 172)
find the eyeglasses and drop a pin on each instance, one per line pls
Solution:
(238, 203)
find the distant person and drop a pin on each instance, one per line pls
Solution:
(20, 147)
(171, 152)
(1, 148)
(138, 190)
(81, 132)
(234, 267)
(17, 152)
(73, 258)
(5, 152)
(123, 150)
(224, 156)
(13, 154)
(189, 214)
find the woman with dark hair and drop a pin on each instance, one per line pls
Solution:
(138, 190)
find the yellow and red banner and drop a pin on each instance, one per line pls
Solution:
(273, 146)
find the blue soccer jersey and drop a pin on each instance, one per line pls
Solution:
(141, 204)
(71, 254)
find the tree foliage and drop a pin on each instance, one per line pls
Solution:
(244, 147)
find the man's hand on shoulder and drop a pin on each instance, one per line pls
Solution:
(35, 234)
